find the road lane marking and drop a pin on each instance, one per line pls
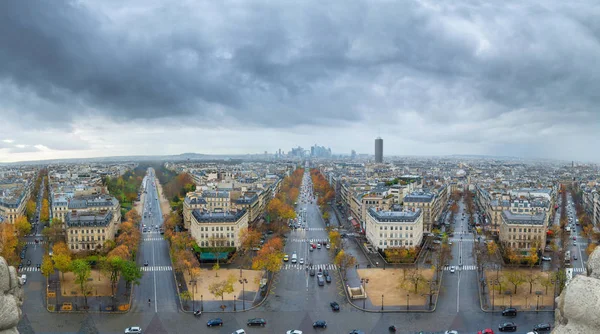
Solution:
(458, 294)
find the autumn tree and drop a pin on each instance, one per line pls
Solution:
(531, 278)
(270, 256)
(249, 238)
(82, 271)
(22, 226)
(47, 267)
(55, 232)
(492, 248)
(590, 249)
(335, 240)
(62, 258)
(45, 211)
(344, 261)
(111, 267)
(30, 209)
(134, 217)
(413, 280)
(515, 278)
(219, 289)
(8, 244)
(547, 281)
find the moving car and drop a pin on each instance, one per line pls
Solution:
(507, 327)
(133, 330)
(486, 331)
(509, 312)
(546, 258)
(215, 322)
(293, 331)
(328, 279)
(320, 324)
(334, 306)
(239, 331)
(312, 272)
(145, 263)
(542, 327)
(301, 260)
(256, 322)
(286, 258)
(452, 269)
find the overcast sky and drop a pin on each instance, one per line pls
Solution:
(110, 77)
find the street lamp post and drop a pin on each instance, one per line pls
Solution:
(382, 302)
(201, 303)
(364, 282)
(234, 303)
(407, 298)
(243, 281)
(193, 285)
(537, 306)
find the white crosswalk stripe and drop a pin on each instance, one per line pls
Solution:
(33, 243)
(157, 268)
(459, 239)
(153, 239)
(463, 268)
(316, 229)
(313, 241)
(29, 269)
(578, 270)
(291, 266)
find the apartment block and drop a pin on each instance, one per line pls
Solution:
(14, 195)
(523, 227)
(90, 229)
(219, 229)
(387, 229)
(431, 203)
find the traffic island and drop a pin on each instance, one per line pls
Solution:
(395, 290)
(521, 288)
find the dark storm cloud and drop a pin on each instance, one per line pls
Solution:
(277, 64)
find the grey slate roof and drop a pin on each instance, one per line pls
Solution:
(395, 216)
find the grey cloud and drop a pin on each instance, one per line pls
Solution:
(458, 65)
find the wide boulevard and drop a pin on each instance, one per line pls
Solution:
(295, 300)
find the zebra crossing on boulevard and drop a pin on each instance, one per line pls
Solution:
(578, 270)
(290, 266)
(153, 239)
(157, 268)
(315, 229)
(33, 242)
(463, 268)
(459, 239)
(312, 241)
(29, 269)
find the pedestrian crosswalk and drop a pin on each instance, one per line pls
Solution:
(33, 242)
(29, 269)
(459, 239)
(153, 239)
(156, 268)
(578, 270)
(312, 241)
(461, 268)
(295, 266)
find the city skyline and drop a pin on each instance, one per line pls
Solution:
(106, 78)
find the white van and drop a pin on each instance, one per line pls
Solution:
(23, 279)
(294, 258)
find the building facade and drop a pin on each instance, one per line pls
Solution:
(218, 229)
(89, 230)
(388, 229)
(378, 150)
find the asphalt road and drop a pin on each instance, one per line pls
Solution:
(295, 301)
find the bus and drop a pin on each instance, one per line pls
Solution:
(567, 257)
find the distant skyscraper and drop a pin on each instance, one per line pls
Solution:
(353, 154)
(379, 150)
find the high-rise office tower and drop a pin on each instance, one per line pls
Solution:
(379, 150)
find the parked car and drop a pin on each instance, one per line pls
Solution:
(239, 331)
(256, 322)
(320, 324)
(507, 327)
(328, 279)
(133, 330)
(334, 306)
(215, 322)
(542, 327)
(509, 312)
(452, 269)
(293, 331)
(546, 258)
(486, 331)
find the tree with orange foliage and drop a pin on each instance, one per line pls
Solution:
(121, 251)
(134, 217)
(270, 257)
(8, 244)
(249, 238)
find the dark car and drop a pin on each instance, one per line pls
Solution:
(356, 331)
(509, 312)
(215, 322)
(145, 263)
(507, 327)
(257, 322)
(334, 306)
(542, 328)
(325, 272)
(328, 279)
(320, 324)
(312, 272)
